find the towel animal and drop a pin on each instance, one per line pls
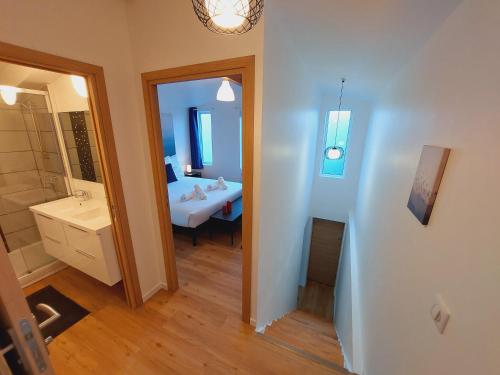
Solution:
(197, 193)
(187, 197)
(220, 184)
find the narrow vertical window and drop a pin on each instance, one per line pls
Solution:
(205, 124)
(336, 135)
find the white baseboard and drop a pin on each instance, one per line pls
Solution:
(153, 291)
(41, 273)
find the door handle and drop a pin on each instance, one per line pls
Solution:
(53, 316)
(28, 336)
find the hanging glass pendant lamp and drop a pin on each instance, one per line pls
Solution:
(336, 152)
(225, 92)
(230, 17)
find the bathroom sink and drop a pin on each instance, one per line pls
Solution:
(89, 214)
(92, 214)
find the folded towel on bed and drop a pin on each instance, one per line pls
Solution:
(197, 193)
(187, 197)
(220, 184)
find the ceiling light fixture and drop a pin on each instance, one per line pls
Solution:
(225, 92)
(336, 152)
(9, 94)
(80, 86)
(230, 17)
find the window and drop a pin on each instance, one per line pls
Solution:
(205, 124)
(341, 119)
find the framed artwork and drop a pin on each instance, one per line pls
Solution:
(427, 180)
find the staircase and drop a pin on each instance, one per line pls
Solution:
(308, 336)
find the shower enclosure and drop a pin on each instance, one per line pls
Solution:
(31, 172)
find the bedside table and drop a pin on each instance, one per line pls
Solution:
(193, 174)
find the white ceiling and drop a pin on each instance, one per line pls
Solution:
(25, 77)
(367, 41)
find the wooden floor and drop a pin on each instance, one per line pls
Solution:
(316, 299)
(197, 330)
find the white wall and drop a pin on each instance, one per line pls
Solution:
(176, 98)
(168, 34)
(448, 96)
(343, 301)
(306, 244)
(94, 31)
(333, 198)
(290, 119)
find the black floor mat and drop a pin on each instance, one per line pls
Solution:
(70, 311)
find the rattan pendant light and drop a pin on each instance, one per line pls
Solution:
(231, 17)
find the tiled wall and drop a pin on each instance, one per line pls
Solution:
(79, 136)
(31, 170)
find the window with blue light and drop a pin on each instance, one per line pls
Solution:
(336, 135)
(205, 124)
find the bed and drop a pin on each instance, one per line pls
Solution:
(191, 214)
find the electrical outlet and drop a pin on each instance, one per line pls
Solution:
(440, 314)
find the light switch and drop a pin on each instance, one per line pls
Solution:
(440, 314)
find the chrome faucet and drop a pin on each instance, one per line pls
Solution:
(82, 195)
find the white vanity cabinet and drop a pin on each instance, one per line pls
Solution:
(92, 252)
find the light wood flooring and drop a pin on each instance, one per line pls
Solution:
(197, 330)
(316, 299)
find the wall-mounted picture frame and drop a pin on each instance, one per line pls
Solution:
(427, 181)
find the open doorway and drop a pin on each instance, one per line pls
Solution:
(317, 295)
(62, 214)
(204, 185)
(65, 241)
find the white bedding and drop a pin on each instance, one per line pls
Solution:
(195, 212)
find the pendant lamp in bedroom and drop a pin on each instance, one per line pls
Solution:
(336, 152)
(225, 92)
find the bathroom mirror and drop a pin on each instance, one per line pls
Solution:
(80, 142)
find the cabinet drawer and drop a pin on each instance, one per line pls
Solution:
(53, 247)
(50, 228)
(82, 261)
(83, 242)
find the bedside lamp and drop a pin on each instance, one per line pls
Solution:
(188, 168)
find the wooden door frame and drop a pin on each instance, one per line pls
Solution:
(98, 99)
(241, 66)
